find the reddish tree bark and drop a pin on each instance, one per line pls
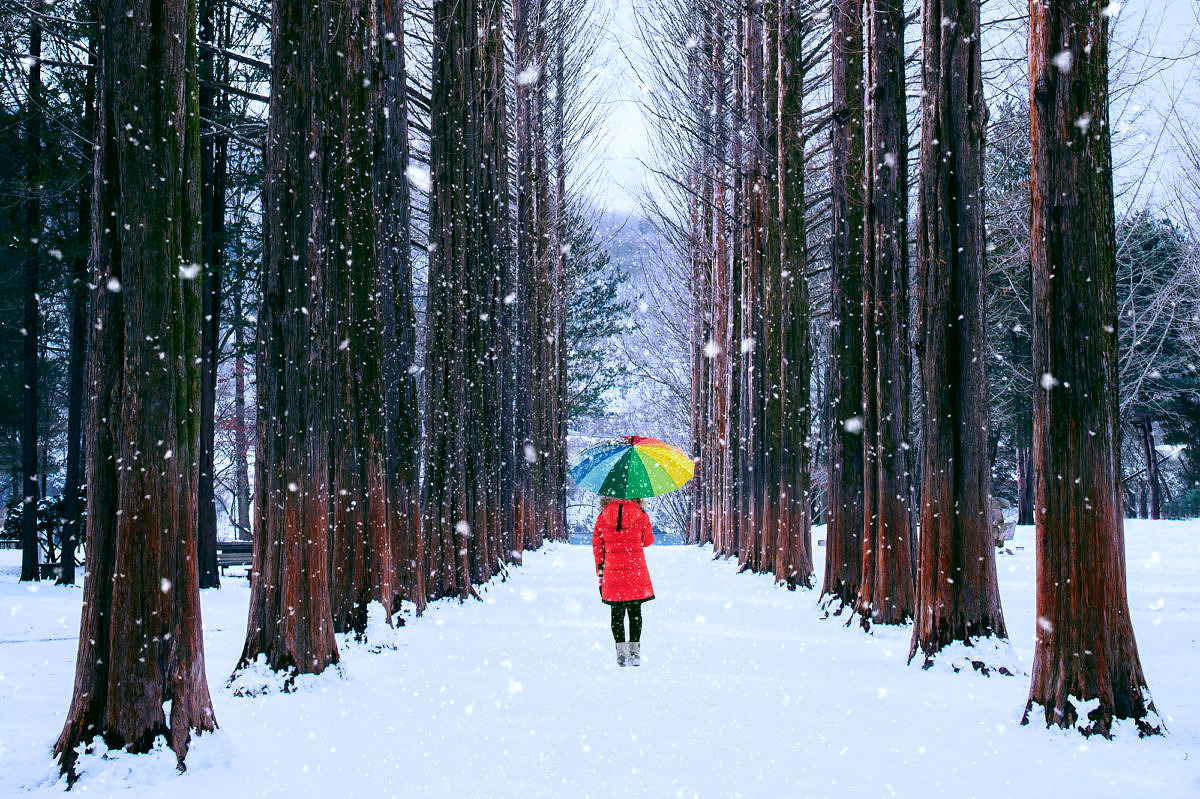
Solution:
(140, 643)
(467, 488)
(361, 568)
(843, 536)
(290, 622)
(957, 595)
(536, 315)
(1085, 648)
(886, 594)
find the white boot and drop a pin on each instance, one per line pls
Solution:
(622, 653)
(635, 653)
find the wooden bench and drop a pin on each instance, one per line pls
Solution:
(234, 553)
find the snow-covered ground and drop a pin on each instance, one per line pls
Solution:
(745, 691)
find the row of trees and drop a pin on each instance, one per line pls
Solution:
(798, 132)
(395, 461)
(741, 89)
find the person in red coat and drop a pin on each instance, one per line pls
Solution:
(622, 531)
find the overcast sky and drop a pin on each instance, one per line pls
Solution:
(1158, 39)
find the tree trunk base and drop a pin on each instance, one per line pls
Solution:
(1064, 712)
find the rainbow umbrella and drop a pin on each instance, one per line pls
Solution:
(632, 467)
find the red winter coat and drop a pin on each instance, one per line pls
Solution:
(620, 561)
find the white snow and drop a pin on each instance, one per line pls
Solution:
(745, 691)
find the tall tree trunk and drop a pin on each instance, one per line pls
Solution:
(290, 622)
(33, 233)
(212, 205)
(465, 385)
(1150, 453)
(768, 339)
(399, 324)
(531, 316)
(699, 255)
(846, 523)
(887, 592)
(737, 186)
(241, 440)
(360, 529)
(719, 178)
(794, 564)
(559, 280)
(1085, 648)
(140, 643)
(957, 595)
(754, 224)
(72, 516)
(1024, 485)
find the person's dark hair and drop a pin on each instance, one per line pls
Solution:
(604, 501)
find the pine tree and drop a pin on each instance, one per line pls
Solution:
(597, 313)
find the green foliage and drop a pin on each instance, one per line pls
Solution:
(596, 318)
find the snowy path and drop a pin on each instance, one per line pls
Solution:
(745, 691)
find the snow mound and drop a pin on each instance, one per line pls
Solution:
(258, 679)
(989, 656)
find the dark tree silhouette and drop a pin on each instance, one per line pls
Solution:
(213, 147)
(33, 254)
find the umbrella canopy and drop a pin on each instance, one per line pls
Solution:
(632, 467)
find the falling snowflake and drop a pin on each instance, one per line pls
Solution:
(1048, 381)
(1063, 61)
(711, 350)
(418, 177)
(530, 75)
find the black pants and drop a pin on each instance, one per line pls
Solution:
(619, 609)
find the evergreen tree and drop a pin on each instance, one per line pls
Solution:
(597, 313)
